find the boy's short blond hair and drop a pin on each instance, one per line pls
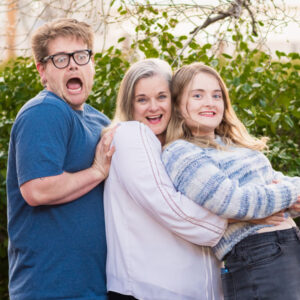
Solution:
(59, 28)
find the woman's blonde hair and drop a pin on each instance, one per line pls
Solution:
(231, 129)
(142, 69)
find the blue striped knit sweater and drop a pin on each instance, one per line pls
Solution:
(236, 183)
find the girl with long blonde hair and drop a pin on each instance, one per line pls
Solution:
(212, 159)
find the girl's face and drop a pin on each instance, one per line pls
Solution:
(203, 101)
(152, 104)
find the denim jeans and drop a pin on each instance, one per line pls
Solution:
(264, 266)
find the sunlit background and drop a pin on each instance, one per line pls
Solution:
(18, 19)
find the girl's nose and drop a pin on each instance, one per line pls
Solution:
(209, 100)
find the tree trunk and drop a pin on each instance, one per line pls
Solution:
(11, 28)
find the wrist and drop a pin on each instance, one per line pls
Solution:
(97, 174)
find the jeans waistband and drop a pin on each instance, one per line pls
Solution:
(279, 236)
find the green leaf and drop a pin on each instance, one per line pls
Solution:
(279, 53)
(214, 63)
(193, 45)
(294, 55)
(226, 55)
(275, 117)
(288, 121)
(182, 37)
(121, 39)
(256, 85)
(243, 46)
(259, 69)
(247, 88)
(249, 112)
(207, 46)
(112, 3)
(249, 123)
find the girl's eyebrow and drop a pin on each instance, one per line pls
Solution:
(202, 90)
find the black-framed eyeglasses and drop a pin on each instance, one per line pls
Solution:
(62, 60)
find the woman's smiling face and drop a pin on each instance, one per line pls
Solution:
(203, 101)
(152, 103)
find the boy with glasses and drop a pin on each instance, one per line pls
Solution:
(56, 168)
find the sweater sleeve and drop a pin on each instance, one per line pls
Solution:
(199, 177)
(279, 176)
(142, 173)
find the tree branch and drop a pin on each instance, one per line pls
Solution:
(234, 10)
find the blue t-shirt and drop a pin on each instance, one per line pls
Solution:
(55, 251)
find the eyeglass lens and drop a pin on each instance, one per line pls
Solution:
(63, 60)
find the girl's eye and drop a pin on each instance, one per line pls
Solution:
(217, 96)
(141, 100)
(197, 96)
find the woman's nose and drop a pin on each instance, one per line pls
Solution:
(153, 105)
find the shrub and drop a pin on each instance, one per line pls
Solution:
(265, 94)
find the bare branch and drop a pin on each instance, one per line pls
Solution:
(106, 20)
(247, 6)
(233, 11)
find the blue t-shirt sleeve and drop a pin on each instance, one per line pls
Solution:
(41, 139)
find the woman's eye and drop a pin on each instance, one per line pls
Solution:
(162, 97)
(141, 100)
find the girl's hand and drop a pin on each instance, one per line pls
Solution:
(296, 206)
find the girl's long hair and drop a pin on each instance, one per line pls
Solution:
(231, 129)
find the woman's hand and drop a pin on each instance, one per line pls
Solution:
(274, 219)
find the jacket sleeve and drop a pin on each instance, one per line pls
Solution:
(142, 173)
(199, 178)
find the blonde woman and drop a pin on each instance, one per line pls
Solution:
(212, 159)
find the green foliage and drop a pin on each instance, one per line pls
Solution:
(265, 93)
(110, 68)
(18, 82)
(266, 96)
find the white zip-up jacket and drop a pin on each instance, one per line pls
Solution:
(152, 231)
